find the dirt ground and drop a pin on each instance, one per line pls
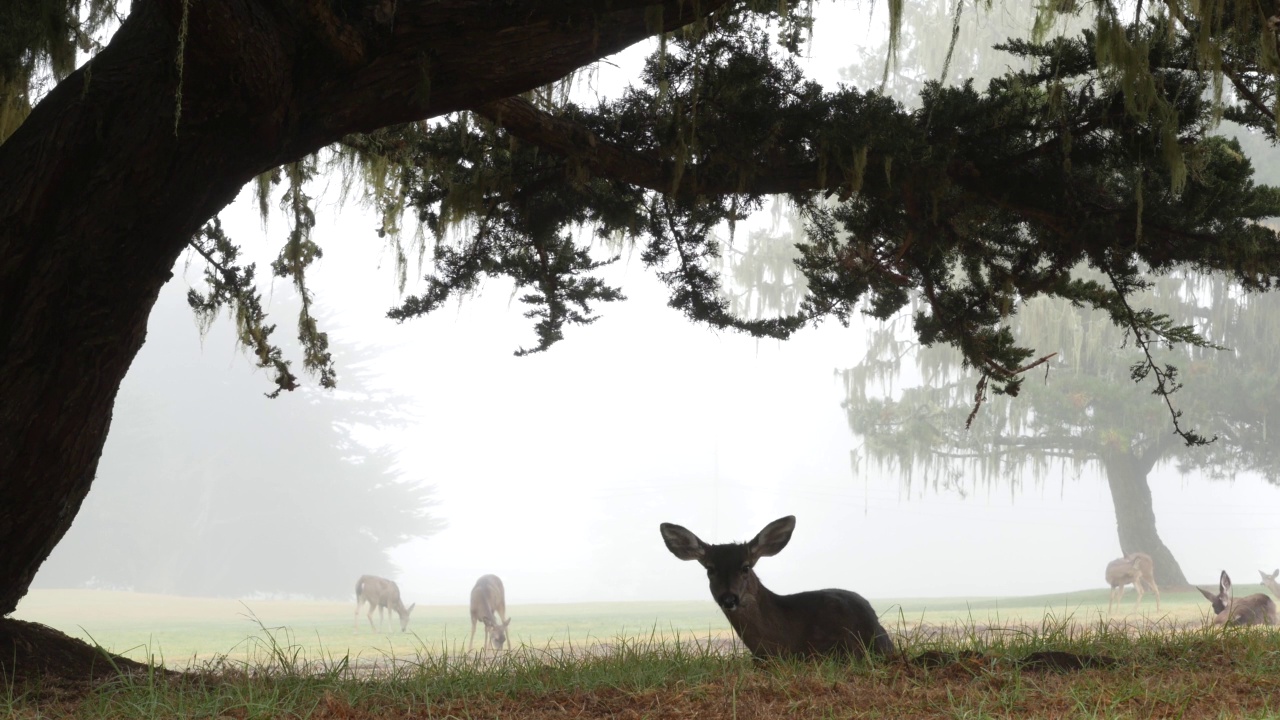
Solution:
(31, 652)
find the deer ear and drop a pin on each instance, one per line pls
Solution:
(682, 543)
(1224, 582)
(772, 538)
(1207, 595)
(411, 607)
(506, 624)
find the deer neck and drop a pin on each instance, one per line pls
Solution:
(755, 622)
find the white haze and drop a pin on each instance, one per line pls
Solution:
(554, 470)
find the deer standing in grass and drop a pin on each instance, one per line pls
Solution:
(1136, 569)
(488, 604)
(382, 594)
(1256, 609)
(1270, 581)
(807, 624)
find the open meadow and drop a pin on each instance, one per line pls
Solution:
(181, 632)
(1048, 656)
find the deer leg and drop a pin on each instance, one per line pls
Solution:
(1137, 586)
(371, 627)
(472, 645)
(355, 628)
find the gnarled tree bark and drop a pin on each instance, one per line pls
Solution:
(105, 182)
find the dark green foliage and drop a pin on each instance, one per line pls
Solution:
(232, 286)
(524, 209)
(977, 201)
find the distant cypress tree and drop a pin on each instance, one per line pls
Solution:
(223, 502)
(1087, 411)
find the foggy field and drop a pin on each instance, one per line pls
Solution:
(182, 631)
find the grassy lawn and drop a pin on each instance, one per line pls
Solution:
(268, 659)
(180, 631)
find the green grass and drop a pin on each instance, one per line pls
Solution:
(181, 631)
(1199, 673)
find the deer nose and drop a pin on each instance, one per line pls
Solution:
(728, 601)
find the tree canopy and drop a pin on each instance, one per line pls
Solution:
(977, 200)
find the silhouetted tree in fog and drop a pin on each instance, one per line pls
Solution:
(1087, 411)
(196, 495)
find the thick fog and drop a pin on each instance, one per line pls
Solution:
(554, 470)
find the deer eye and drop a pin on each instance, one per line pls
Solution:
(746, 569)
(711, 570)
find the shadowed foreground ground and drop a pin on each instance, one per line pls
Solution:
(31, 652)
(1200, 674)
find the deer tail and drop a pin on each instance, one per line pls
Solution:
(359, 587)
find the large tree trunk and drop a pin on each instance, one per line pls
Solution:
(105, 182)
(1135, 515)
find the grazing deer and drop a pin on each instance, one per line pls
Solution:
(1270, 582)
(382, 594)
(488, 604)
(807, 624)
(1256, 609)
(1136, 569)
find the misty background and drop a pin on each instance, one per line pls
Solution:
(442, 456)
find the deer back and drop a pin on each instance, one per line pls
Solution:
(1256, 609)
(380, 592)
(1129, 569)
(488, 599)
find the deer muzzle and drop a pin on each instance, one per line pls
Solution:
(728, 601)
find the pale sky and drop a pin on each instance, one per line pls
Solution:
(672, 422)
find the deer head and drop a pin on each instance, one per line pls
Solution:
(496, 632)
(1270, 581)
(730, 567)
(403, 612)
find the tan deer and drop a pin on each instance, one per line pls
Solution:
(382, 594)
(488, 604)
(1135, 569)
(807, 624)
(1256, 609)
(1270, 581)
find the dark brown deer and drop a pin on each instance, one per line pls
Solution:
(1256, 609)
(1136, 569)
(807, 624)
(382, 594)
(1270, 581)
(488, 604)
